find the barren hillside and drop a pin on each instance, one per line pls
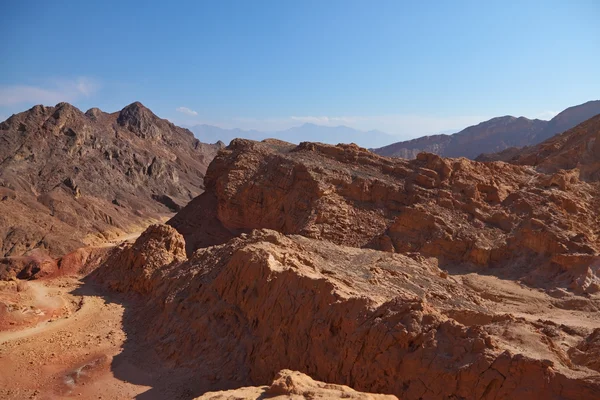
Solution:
(68, 178)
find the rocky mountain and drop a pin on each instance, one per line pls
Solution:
(303, 133)
(461, 212)
(305, 270)
(426, 278)
(68, 178)
(493, 136)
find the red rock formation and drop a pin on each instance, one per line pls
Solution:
(577, 149)
(378, 322)
(461, 212)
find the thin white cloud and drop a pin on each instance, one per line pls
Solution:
(56, 91)
(186, 111)
(547, 115)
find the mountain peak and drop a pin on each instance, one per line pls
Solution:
(138, 119)
(135, 108)
(65, 110)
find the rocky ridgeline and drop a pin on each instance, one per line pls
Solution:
(541, 228)
(501, 134)
(69, 178)
(353, 269)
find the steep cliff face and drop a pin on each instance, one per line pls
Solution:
(378, 322)
(535, 226)
(68, 177)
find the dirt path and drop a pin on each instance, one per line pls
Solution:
(93, 351)
(77, 348)
(121, 239)
(70, 356)
(41, 293)
(533, 304)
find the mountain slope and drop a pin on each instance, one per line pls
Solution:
(494, 135)
(67, 177)
(578, 148)
(568, 119)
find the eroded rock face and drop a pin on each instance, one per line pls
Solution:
(68, 178)
(376, 321)
(462, 212)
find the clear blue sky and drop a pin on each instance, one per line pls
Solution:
(404, 67)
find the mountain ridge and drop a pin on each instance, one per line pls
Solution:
(68, 177)
(494, 135)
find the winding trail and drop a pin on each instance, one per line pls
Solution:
(43, 326)
(72, 355)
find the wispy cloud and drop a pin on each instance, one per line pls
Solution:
(186, 111)
(546, 115)
(50, 94)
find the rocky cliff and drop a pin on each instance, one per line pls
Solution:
(428, 278)
(577, 150)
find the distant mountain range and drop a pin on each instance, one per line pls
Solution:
(303, 133)
(500, 134)
(492, 136)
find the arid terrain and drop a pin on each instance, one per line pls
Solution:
(318, 271)
(69, 178)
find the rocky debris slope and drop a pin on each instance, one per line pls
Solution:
(68, 178)
(494, 135)
(238, 313)
(541, 228)
(295, 386)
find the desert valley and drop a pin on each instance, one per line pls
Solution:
(300, 200)
(141, 262)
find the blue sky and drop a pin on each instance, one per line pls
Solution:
(407, 68)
